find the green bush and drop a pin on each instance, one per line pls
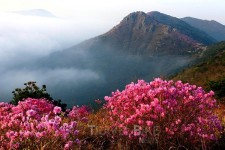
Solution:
(218, 87)
(31, 90)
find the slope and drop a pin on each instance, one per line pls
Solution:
(210, 72)
(155, 33)
(212, 28)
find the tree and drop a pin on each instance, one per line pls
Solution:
(33, 91)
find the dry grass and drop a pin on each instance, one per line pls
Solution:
(101, 138)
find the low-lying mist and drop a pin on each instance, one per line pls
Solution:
(81, 74)
(25, 38)
(77, 75)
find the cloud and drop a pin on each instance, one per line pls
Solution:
(24, 36)
(12, 79)
(25, 39)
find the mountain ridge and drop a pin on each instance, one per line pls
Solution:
(212, 27)
(155, 35)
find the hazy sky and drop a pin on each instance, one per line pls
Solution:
(111, 12)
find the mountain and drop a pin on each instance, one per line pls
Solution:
(141, 46)
(155, 33)
(35, 12)
(210, 72)
(212, 28)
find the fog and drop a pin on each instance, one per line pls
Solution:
(92, 70)
(26, 38)
(34, 48)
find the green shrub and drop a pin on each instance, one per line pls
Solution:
(31, 90)
(218, 87)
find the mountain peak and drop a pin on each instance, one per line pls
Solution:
(154, 13)
(134, 16)
(155, 33)
(153, 16)
(159, 15)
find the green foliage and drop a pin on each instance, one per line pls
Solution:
(208, 71)
(214, 50)
(31, 90)
(218, 87)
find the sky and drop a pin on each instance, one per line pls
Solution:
(94, 17)
(25, 38)
(113, 11)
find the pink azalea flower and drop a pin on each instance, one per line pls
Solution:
(57, 110)
(31, 113)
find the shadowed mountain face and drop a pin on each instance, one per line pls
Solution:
(142, 46)
(212, 28)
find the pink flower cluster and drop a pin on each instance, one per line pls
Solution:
(39, 120)
(178, 110)
(79, 113)
(98, 101)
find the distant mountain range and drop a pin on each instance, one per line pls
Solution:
(212, 28)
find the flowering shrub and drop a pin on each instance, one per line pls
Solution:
(79, 113)
(37, 120)
(172, 113)
(179, 111)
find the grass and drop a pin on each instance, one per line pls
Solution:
(101, 138)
